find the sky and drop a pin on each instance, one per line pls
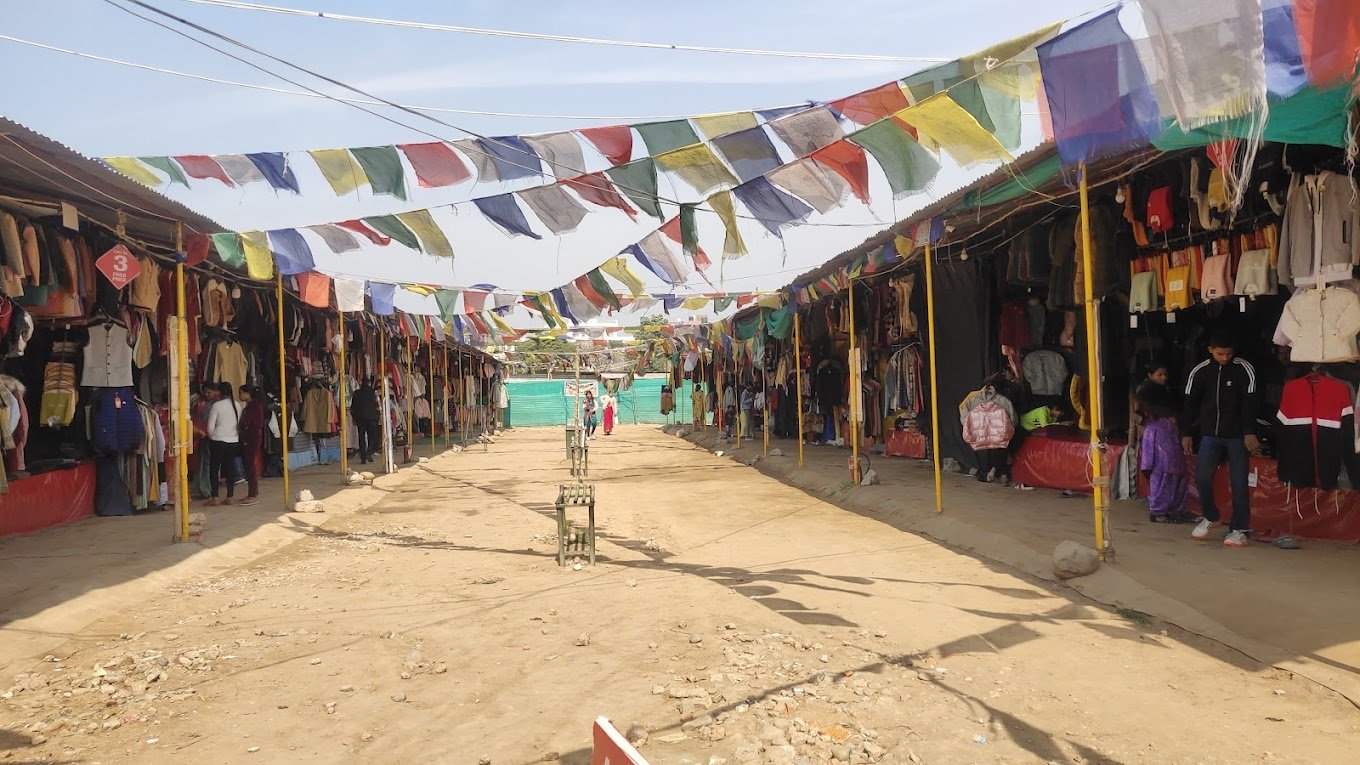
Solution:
(102, 109)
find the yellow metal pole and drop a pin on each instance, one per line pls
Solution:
(430, 348)
(344, 403)
(708, 389)
(285, 421)
(934, 380)
(1093, 376)
(854, 392)
(186, 435)
(765, 407)
(798, 377)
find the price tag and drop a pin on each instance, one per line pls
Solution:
(119, 266)
(1170, 317)
(1242, 305)
(1252, 479)
(1133, 321)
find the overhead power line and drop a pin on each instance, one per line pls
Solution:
(243, 6)
(368, 102)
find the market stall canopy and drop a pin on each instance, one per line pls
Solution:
(41, 172)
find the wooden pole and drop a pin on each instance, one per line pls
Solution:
(382, 391)
(284, 419)
(410, 398)
(798, 377)
(1093, 378)
(429, 347)
(344, 404)
(186, 435)
(934, 380)
(765, 407)
(855, 392)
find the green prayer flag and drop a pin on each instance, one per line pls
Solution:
(391, 226)
(228, 246)
(601, 286)
(779, 322)
(638, 181)
(689, 230)
(907, 164)
(446, 299)
(382, 165)
(968, 95)
(1309, 117)
(722, 303)
(1016, 187)
(746, 328)
(169, 167)
(662, 137)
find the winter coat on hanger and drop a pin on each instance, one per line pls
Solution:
(1321, 325)
(1316, 432)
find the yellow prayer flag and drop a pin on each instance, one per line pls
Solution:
(259, 261)
(340, 170)
(698, 166)
(1000, 55)
(135, 169)
(714, 125)
(955, 130)
(733, 245)
(771, 300)
(696, 302)
(499, 322)
(432, 239)
(424, 290)
(618, 268)
(904, 246)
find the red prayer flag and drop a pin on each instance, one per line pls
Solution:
(196, 249)
(596, 189)
(846, 159)
(435, 164)
(478, 323)
(474, 301)
(314, 289)
(671, 228)
(1329, 38)
(613, 141)
(588, 290)
(203, 167)
(872, 105)
(359, 227)
(745, 300)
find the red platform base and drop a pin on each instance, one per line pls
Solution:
(48, 499)
(1277, 510)
(1057, 459)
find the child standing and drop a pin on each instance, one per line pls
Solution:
(1162, 460)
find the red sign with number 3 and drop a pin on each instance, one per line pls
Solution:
(119, 266)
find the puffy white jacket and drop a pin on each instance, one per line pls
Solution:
(1321, 325)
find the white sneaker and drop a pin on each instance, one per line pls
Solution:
(1235, 539)
(1202, 530)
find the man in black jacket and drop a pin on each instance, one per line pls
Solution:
(367, 420)
(1220, 401)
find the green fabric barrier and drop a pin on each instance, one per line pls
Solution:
(1309, 117)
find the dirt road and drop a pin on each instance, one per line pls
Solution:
(730, 615)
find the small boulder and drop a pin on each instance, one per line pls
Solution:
(776, 452)
(1071, 560)
(870, 478)
(305, 496)
(310, 506)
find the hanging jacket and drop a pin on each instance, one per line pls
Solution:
(1045, 371)
(988, 425)
(1321, 325)
(1317, 423)
(1319, 234)
(1220, 399)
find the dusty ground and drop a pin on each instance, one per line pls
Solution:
(731, 615)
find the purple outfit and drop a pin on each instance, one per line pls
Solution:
(1162, 457)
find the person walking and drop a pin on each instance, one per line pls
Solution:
(1220, 402)
(609, 405)
(367, 420)
(748, 407)
(588, 412)
(224, 443)
(251, 432)
(699, 406)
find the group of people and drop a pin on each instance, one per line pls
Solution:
(1220, 406)
(233, 431)
(742, 407)
(591, 409)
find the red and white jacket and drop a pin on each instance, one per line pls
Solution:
(1316, 431)
(988, 425)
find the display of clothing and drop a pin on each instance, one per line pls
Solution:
(902, 382)
(1045, 371)
(1320, 325)
(1318, 242)
(108, 357)
(1316, 431)
(115, 423)
(227, 363)
(989, 422)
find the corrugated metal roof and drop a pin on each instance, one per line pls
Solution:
(35, 167)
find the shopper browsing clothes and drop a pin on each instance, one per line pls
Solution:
(367, 420)
(224, 443)
(729, 408)
(251, 432)
(699, 406)
(748, 408)
(1220, 403)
